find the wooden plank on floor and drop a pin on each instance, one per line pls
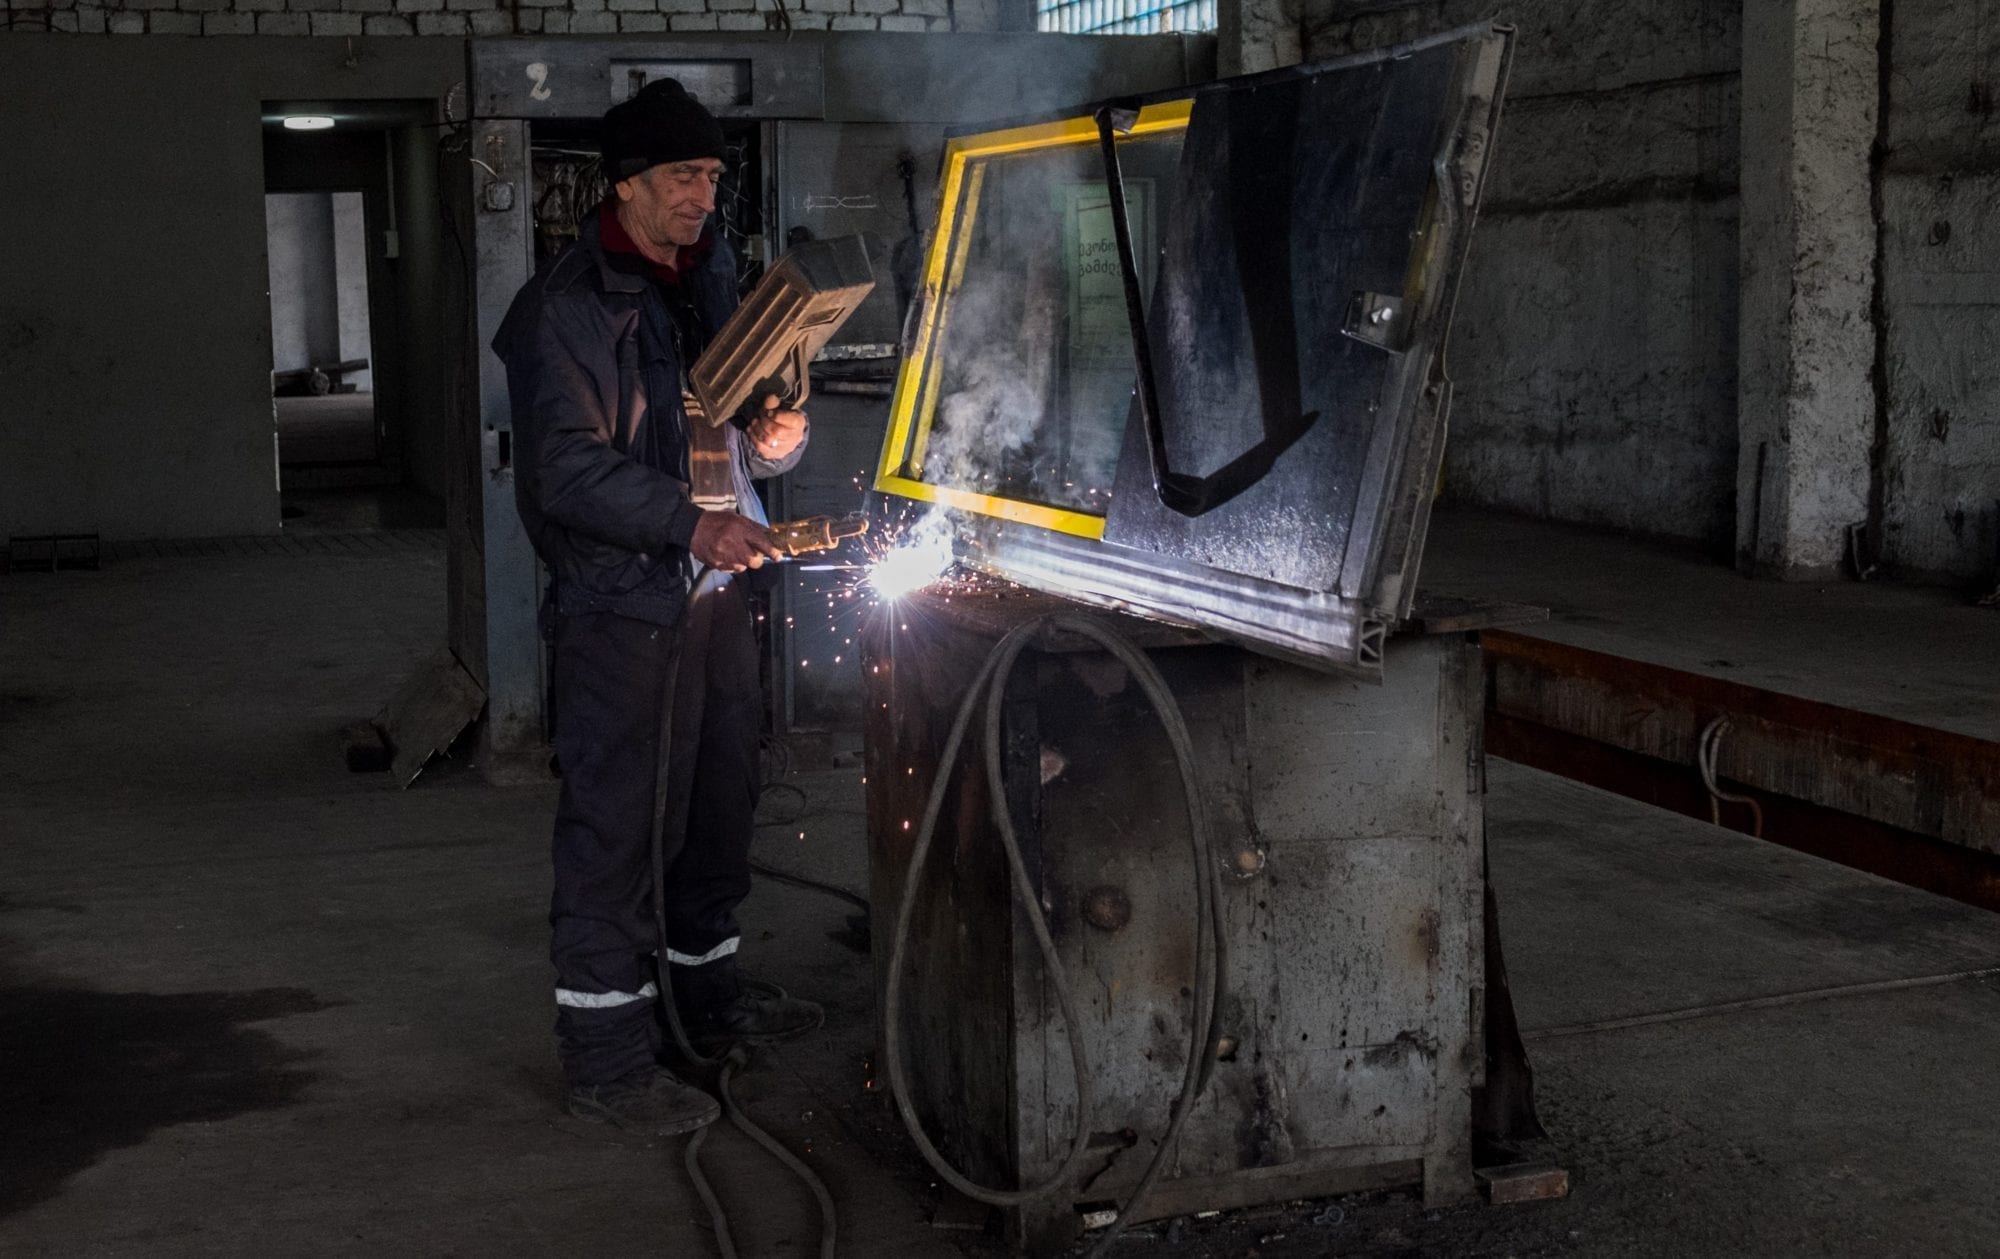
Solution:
(1523, 1182)
(433, 706)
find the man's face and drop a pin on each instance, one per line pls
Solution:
(668, 203)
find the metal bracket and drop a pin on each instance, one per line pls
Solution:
(1377, 319)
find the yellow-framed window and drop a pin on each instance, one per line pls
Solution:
(1014, 400)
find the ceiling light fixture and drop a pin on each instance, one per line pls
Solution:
(307, 122)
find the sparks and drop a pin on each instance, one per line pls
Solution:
(912, 565)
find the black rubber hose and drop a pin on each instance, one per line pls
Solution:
(730, 1060)
(819, 1190)
(892, 997)
(800, 813)
(718, 1219)
(991, 684)
(777, 875)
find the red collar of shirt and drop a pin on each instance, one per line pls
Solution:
(618, 241)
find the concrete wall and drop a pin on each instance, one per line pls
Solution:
(305, 327)
(1597, 351)
(350, 284)
(492, 17)
(1595, 344)
(317, 245)
(135, 340)
(1939, 473)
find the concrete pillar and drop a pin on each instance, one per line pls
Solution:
(1253, 35)
(1806, 386)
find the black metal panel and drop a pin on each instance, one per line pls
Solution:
(836, 179)
(1302, 206)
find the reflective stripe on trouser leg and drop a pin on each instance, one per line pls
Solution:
(604, 1000)
(726, 949)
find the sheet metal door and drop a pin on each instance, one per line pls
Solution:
(1278, 255)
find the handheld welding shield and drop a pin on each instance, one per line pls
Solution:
(766, 348)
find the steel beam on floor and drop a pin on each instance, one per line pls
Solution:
(1911, 803)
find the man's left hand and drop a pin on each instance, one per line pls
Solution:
(776, 433)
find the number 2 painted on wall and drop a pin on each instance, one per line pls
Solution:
(538, 74)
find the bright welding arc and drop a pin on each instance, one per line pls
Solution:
(913, 562)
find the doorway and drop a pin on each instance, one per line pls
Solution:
(362, 357)
(322, 383)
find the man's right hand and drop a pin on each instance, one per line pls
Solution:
(730, 542)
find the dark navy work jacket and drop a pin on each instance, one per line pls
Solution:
(600, 458)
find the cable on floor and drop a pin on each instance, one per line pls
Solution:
(798, 813)
(718, 1219)
(777, 874)
(774, 757)
(819, 1190)
(989, 687)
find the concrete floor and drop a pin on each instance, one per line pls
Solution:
(250, 1003)
(360, 510)
(330, 428)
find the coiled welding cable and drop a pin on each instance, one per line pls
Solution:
(990, 684)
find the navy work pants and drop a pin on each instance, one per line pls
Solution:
(610, 682)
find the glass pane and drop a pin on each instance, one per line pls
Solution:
(1033, 361)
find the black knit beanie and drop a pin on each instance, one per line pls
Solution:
(659, 123)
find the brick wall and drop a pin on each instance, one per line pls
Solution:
(469, 17)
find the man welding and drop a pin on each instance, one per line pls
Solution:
(596, 346)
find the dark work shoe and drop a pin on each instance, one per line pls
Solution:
(650, 1102)
(761, 1013)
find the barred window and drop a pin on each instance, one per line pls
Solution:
(1124, 17)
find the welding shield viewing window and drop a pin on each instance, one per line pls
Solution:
(1258, 456)
(1023, 409)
